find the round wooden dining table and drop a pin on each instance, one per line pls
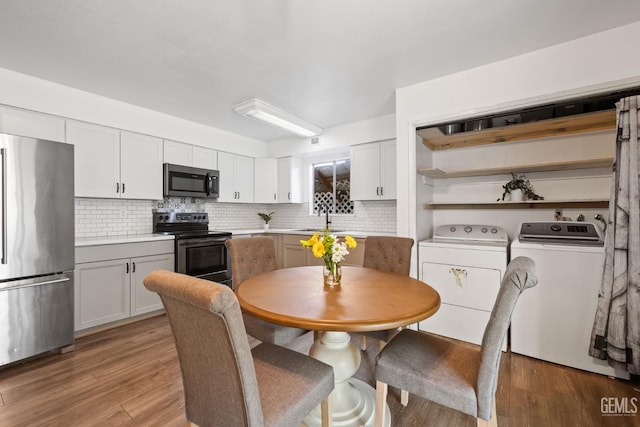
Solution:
(366, 300)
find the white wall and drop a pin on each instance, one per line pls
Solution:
(588, 65)
(337, 138)
(20, 90)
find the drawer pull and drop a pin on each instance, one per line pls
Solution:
(460, 274)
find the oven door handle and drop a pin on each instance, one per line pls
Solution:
(200, 241)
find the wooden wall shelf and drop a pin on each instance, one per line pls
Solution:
(531, 204)
(541, 167)
(434, 139)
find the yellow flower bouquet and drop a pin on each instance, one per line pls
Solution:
(328, 247)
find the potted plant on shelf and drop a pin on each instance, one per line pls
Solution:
(266, 217)
(520, 189)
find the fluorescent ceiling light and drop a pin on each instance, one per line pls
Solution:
(266, 113)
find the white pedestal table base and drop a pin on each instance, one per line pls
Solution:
(353, 401)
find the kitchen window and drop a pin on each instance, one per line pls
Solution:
(332, 185)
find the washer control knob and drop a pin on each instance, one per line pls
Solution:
(468, 229)
(556, 227)
(494, 230)
(484, 229)
(452, 229)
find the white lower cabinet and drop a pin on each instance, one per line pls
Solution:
(143, 301)
(293, 254)
(102, 293)
(109, 287)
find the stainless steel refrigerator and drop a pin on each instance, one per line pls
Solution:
(36, 247)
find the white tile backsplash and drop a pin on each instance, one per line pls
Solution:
(113, 217)
(369, 216)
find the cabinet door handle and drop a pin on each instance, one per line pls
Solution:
(382, 191)
(133, 267)
(123, 188)
(117, 187)
(127, 268)
(377, 191)
(289, 196)
(274, 196)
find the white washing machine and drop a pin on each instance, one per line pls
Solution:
(553, 320)
(465, 264)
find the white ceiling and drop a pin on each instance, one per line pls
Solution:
(329, 62)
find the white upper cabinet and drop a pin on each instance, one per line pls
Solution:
(114, 164)
(35, 125)
(97, 159)
(266, 181)
(140, 166)
(236, 178)
(388, 186)
(244, 179)
(290, 178)
(179, 153)
(205, 158)
(373, 171)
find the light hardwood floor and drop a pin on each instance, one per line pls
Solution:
(130, 376)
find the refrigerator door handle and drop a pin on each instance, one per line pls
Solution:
(46, 282)
(3, 153)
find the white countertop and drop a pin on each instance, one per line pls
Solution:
(352, 233)
(134, 238)
(114, 240)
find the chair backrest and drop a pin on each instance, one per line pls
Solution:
(250, 257)
(392, 254)
(218, 374)
(520, 275)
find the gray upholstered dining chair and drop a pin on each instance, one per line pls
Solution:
(452, 374)
(392, 254)
(250, 257)
(225, 382)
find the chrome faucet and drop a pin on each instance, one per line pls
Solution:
(324, 206)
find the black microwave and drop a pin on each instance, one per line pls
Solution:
(186, 181)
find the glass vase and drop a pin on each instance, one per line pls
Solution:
(332, 274)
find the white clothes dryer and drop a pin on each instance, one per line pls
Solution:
(465, 263)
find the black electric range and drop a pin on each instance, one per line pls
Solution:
(199, 252)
